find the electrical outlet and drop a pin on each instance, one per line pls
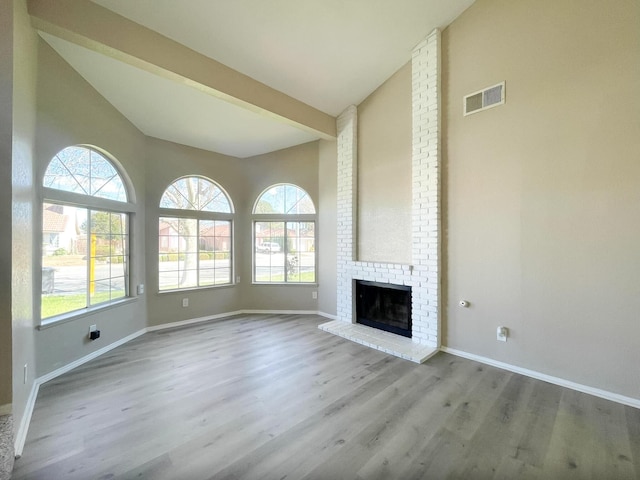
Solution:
(502, 333)
(93, 328)
(141, 289)
(314, 295)
(238, 279)
(185, 302)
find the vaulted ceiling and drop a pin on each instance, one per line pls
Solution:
(240, 77)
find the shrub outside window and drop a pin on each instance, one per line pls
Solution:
(85, 233)
(284, 236)
(195, 235)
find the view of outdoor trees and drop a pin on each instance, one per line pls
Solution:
(194, 249)
(84, 250)
(284, 251)
(84, 258)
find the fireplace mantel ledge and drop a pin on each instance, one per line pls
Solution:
(387, 265)
(384, 341)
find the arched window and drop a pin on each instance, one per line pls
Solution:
(85, 233)
(284, 236)
(195, 235)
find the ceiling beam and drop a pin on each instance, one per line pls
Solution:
(97, 28)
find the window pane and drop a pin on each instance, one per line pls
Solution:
(284, 252)
(207, 277)
(80, 246)
(192, 254)
(107, 256)
(269, 257)
(168, 279)
(172, 198)
(305, 205)
(105, 180)
(306, 251)
(212, 198)
(57, 176)
(64, 259)
(301, 260)
(286, 199)
(85, 171)
(195, 193)
(215, 252)
(271, 201)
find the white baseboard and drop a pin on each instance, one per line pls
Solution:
(23, 428)
(191, 321)
(327, 315)
(280, 312)
(597, 392)
(70, 366)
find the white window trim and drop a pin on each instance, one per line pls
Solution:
(283, 217)
(179, 214)
(201, 215)
(63, 197)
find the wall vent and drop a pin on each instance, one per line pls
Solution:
(483, 99)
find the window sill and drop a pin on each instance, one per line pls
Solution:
(86, 312)
(287, 284)
(197, 289)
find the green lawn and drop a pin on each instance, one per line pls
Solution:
(53, 305)
(304, 277)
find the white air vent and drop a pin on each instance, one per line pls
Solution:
(483, 99)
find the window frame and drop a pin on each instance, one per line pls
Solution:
(284, 218)
(199, 215)
(89, 203)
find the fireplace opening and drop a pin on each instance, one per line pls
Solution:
(384, 306)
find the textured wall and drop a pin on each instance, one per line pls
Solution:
(327, 184)
(71, 112)
(542, 192)
(6, 134)
(422, 273)
(6, 446)
(384, 172)
(6, 104)
(23, 207)
(243, 180)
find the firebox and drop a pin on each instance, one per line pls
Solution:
(384, 306)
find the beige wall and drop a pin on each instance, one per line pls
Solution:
(327, 226)
(384, 172)
(71, 112)
(297, 165)
(166, 162)
(542, 194)
(6, 134)
(243, 180)
(23, 203)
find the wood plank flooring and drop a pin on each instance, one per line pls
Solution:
(273, 397)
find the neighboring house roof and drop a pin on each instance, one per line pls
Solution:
(53, 221)
(166, 229)
(274, 233)
(220, 230)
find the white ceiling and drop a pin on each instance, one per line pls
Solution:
(326, 53)
(176, 112)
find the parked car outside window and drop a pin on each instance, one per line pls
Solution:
(268, 247)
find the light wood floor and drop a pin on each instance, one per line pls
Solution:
(273, 397)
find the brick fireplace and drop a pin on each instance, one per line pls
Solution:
(423, 274)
